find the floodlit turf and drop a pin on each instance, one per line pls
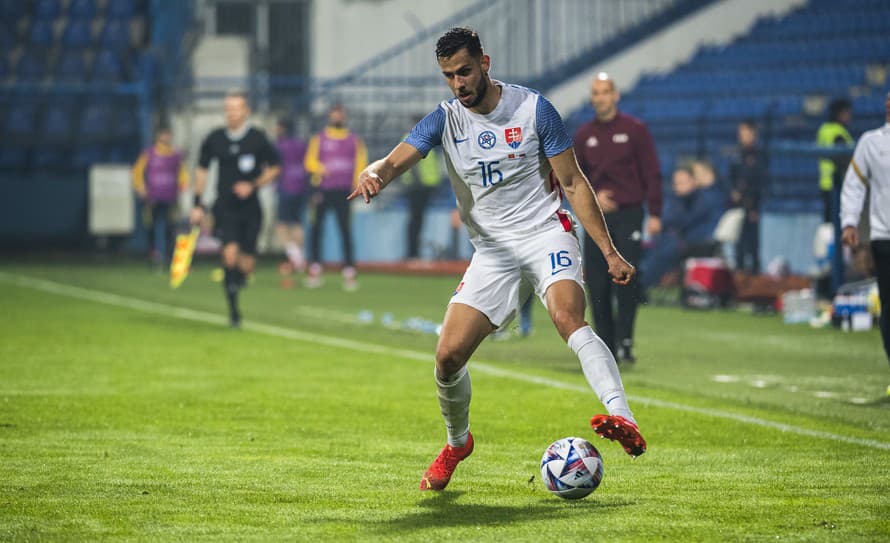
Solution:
(125, 423)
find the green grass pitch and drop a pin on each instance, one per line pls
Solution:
(128, 411)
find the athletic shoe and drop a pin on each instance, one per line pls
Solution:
(626, 356)
(618, 428)
(440, 471)
(313, 278)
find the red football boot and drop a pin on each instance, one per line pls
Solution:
(618, 428)
(440, 471)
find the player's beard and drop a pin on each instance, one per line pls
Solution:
(480, 91)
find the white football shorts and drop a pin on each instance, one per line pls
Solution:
(501, 276)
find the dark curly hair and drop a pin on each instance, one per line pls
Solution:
(456, 39)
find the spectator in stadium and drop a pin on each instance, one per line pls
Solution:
(159, 175)
(292, 195)
(507, 150)
(714, 199)
(335, 158)
(246, 160)
(420, 185)
(617, 154)
(748, 178)
(869, 171)
(831, 133)
(691, 213)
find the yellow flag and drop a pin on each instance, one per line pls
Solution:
(182, 257)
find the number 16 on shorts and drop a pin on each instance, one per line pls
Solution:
(559, 261)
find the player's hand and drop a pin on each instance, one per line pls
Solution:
(369, 185)
(196, 215)
(620, 270)
(243, 189)
(653, 226)
(850, 236)
(606, 200)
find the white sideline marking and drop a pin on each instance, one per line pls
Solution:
(90, 295)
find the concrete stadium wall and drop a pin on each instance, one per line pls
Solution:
(717, 24)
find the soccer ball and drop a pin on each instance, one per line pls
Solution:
(571, 468)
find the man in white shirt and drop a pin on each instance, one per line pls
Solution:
(510, 161)
(870, 170)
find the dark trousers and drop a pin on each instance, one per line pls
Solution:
(615, 326)
(747, 249)
(160, 235)
(418, 199)
(336, 200)
(881, 251)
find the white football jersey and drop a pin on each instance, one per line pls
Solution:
(498, 162)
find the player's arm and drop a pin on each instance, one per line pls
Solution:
(204, 158)
(379, 173)
(853, 193)
(650, 173)
(138, 174)
(587, 209)
(269, 174)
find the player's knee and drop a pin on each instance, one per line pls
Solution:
(449, 360)
(566, 322)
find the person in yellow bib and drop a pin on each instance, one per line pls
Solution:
(831, 170)
(159, 175)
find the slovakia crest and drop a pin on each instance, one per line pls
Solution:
(513, 136)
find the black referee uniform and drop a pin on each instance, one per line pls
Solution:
(240, 157)
(238, 221)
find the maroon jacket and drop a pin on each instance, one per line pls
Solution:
(620, 156)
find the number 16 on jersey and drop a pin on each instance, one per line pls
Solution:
(489, 171)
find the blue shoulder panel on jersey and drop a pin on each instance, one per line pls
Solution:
(551, 130)
(428, 132)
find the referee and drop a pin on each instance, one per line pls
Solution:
(616, 153)
(246, 161)
(870, 170)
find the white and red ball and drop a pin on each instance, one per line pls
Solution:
(571, 468)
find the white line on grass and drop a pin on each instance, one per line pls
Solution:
(90, 295)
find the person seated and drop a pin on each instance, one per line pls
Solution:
(691, 212)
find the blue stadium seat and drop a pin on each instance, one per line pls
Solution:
(87, 155)
(120, 10)
(71, 66)
(12, 10)
(95, 123)
(4, 67)
(31, 66)
(47, 9)
(22, 122)
(107, 66)
(14, 157)
(115, 34)
(82, 9)
(42, 33)
(78, 34)
(7, 35)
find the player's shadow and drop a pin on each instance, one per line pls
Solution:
(444, 509)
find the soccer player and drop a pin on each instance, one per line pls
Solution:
(870, 171)
(616, 153)
(510, 160)
(246, 161)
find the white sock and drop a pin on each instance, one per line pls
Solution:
(295, 255)
(601, 371)
(454, 400)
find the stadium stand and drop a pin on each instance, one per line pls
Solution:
(72, 88)
(781, 74)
